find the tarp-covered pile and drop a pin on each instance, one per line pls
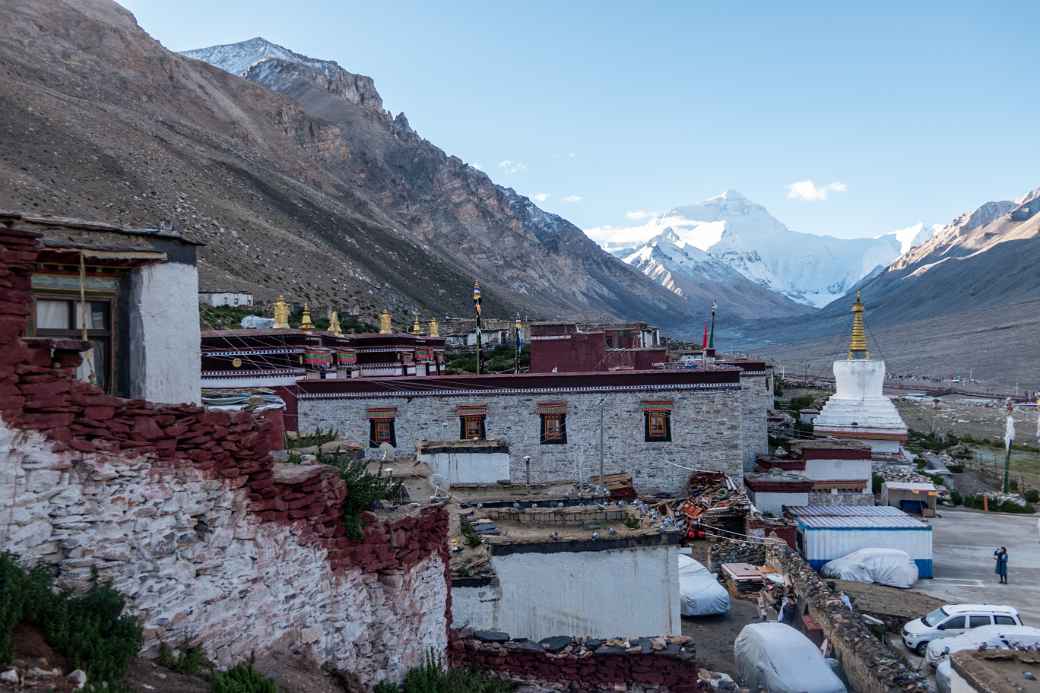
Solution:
(777, 658)
(700, 593)
(890, 567)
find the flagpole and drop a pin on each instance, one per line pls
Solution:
(476, 310)
(516, 356)
(1009, 437)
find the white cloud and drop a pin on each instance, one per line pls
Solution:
(479, 166)
(639, 214)
(540, 197)
(571, 198)
(571, 155)
(510, 166)
(810, 192)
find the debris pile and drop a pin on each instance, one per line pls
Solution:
(619, 486)
(715, 503)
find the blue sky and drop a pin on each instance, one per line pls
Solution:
(896, 112)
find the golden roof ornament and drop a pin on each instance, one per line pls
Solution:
(416, 327)
(435, 328)
(384, 323)
(334, 327)
(305, 322)
(858, 343)
(281, 314)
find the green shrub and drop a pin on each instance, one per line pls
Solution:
(318, 437)
(876, 482)
(955, 498)
(470, 535)
(363, 490)
(386, 687)
(89, 629)
(1012, 507)
(632, 522)
(432, 677)
(242, 678)
(189, 659)
(1032, 496)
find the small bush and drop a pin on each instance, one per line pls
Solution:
(432, 677)
(470, 535)
(956, 498)
(876, 482)
(1032, 496)
(190, 659)
(632, 522)
(318, 437)
(363, 490)
(242, 678)
(386, 687)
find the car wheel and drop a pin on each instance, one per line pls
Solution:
(921, 648)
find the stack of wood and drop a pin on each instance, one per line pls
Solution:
(742, 577)
(618, 485)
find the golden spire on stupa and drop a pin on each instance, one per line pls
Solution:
(416, 326)
(435, 328)
(858, 343)
(281, 313)
(305, 322)
(334, 327)
(384, 323)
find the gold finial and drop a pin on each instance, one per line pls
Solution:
(858, 343)
(334, 327)
(384, 323)
(305, 322)
(435, 328)
(281, 313)
(416, 327)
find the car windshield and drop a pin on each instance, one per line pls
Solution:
(935, 617)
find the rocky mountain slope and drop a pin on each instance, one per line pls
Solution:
(702, 278)
(295, 177)
(810, 269)
(975, 284)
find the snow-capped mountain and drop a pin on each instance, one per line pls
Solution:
(912, 236)
(810, 269)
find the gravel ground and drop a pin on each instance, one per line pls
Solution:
(714, 635)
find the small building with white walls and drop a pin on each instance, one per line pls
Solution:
(234, 299)
(859, 410)
(772, 491)
(130, 293)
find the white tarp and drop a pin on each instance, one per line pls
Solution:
(699, 591)
(994, 637)
(779, 659)
(890, 567)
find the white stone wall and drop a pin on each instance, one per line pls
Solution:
(165, 341)
(756, 401)
(196, 565)
(468, 467)
(706, 431)
(627, 592)
(839, 470)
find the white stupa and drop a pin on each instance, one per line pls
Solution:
(859, 410)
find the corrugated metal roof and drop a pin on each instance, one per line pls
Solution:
(876, 522)
(844, 511)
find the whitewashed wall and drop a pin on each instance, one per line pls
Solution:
(165, 341)
(773, 502)
(469, 467)
(626, 592)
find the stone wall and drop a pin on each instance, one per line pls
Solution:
(828, 498)
(706, 431)
(870, 665)
(662, 664)
(735, 551)
(184, 511)
(756, 400)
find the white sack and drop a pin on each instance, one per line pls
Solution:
(700, 594)
(779, 659)
(890, 567)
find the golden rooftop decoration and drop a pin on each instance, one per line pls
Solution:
(858, 343)
(384, 323)
(281, 313)
(416, 327)
(305, 322)
(435, 328)
(334, 327)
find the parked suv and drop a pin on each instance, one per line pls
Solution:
(954, 619)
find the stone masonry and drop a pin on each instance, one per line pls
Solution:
(705, 427)
(187, 515)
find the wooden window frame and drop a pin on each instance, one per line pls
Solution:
(557, 439)
(375, 441)
(111, 334)
(477, 420)
(664, 434)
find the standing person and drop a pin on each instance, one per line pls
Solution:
(762, 603)
(1001, 557)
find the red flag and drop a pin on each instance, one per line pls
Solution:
(704, 342)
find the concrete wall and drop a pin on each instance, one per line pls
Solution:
(839, 470)
(627, 592)
(165, 341)
(772, 502)
(706, 431)
(469, 467)
(840, 498)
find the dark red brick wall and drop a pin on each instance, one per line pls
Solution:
(588, 671)
(38, 391)
(581, 353)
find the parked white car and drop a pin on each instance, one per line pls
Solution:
(699, 590)
(953, 620)
(995, 637)
(779, 659)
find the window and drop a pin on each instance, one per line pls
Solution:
(381, 431)
(955, 623)
(978, 620)
(54, 316)
(658, 426)
(471, 427)
(554, 429)
(1005, 621)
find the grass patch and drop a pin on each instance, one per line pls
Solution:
(187, 659)
(225, 317)
(318, 437)
(90, 629)
(433, 677)
(242, 678)
(363, 490)
(470, 535)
